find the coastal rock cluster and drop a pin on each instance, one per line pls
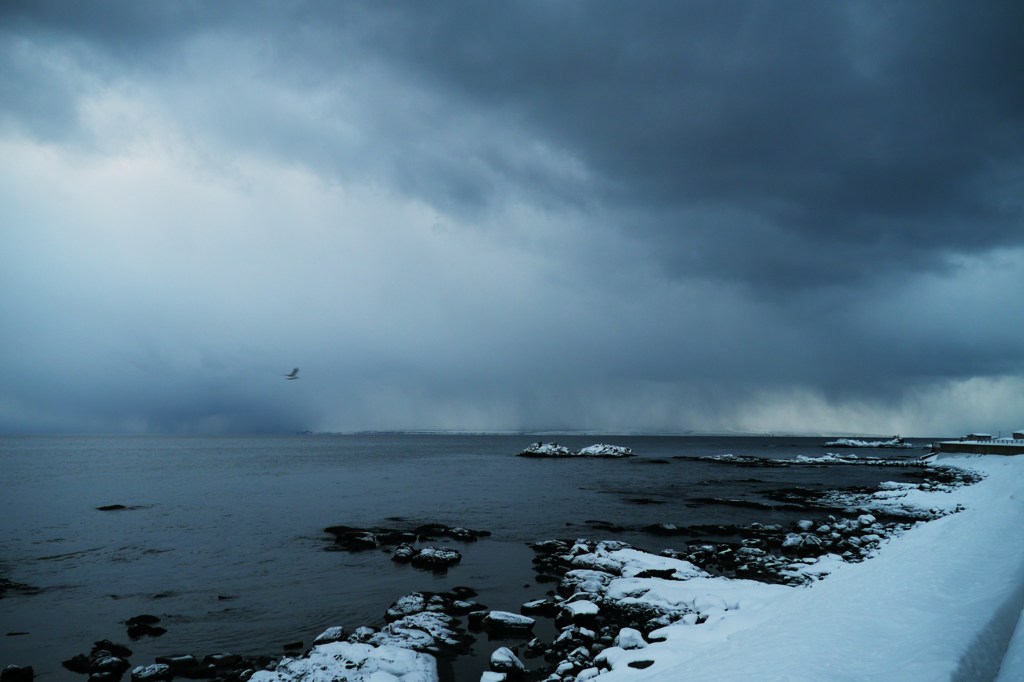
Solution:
(591, 619)
(433, 558)
(355, 539)
(108, 662)
(419, 626)
(541, 450)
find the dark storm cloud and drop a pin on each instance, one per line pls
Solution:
(836, 141)
(705, 201)
(888, 139)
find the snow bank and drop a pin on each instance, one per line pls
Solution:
(940, 602)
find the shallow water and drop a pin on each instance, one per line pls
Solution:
(223, 536)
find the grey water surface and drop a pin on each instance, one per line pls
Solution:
(222, 538)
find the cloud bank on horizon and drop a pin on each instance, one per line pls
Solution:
(514, 216)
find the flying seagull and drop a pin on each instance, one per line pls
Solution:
(293, 375)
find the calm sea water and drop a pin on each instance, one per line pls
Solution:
(224, 539)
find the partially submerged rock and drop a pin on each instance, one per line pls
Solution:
(355, 539)
(434, 558)
(106, 658)
(144, 625)
(17, 673)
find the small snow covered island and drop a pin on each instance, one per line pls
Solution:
(539, 449)
(892, 443)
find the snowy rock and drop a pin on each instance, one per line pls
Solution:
(584, 581)
(427, 631)
(605, 450)
(159, 672)
(331, 634)
(350, 662)
(504, 621)
(555, 450)
(628, 638)
(403, 553)
(539, 449)
(490, 676)
(436, 558)
(407, 605)
(504, 660)
(580, 610)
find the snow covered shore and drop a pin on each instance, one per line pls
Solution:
(940, 602)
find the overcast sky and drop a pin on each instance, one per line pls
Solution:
(794, 216)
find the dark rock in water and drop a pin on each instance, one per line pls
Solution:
(77, 664)
(182, 664)
(111, 648)
(112, 507)
(108, 665)
(222, 661)
(439, 530)
(666, 529)
(353, 539)
(644, 500)
(144, 626)
(605, 526)
(106, 676)
(106, 661)
(17, 673)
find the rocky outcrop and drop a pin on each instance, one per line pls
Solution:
(433, 558)
(542, 450)
(355, 539)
